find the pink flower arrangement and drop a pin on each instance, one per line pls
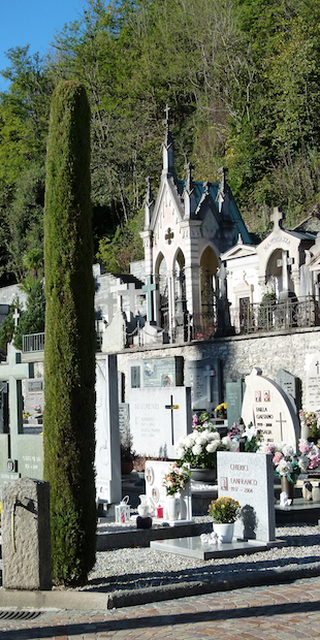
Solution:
(277, 457)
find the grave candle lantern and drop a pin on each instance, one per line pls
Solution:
(122, 511)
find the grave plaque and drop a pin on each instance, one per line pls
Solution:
(157, 372)
(312, 382)
(234, 392)
(248, 478)
(203, 377)
(158, 418)
(33, 396)
(268, 407)
(291, 386)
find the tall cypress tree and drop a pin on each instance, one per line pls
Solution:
(69, 359)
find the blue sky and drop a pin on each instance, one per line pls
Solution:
(33, 22)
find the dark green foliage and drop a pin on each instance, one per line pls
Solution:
(7, 329)
(69, 442)
(32, 320)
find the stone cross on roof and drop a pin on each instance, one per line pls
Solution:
(276, 218)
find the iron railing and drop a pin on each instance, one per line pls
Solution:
(273, 315)
(33, 342)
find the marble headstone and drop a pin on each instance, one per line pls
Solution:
(203, 377)
(268, 407)
(234, 393)
(312, 368)
(156, 492)
(107, 457)
(159, 417)
(291, 386)
(248, 478)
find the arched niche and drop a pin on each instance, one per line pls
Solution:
(161, 272)
(179, 274)
(276, 279)
(209, 264)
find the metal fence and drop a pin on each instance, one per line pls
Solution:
(33, 342)
(273, 315)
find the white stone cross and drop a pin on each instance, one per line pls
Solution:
(276, 218)
(13, 371)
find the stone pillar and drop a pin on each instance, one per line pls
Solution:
(26, 541)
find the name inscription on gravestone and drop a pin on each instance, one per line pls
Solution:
(312, 382)
(158, 418)
(248, 478)
(267, 407)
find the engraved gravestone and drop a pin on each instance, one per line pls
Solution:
(267, 407)
(249, 478)
(291, 386)
(312, 368)
(158, 418)
(203, 377)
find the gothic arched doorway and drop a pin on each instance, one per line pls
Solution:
(208, 287)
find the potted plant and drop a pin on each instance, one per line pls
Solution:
(199, 449)
(175, 481)
(224, 512)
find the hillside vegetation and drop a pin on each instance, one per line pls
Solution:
(242, 78)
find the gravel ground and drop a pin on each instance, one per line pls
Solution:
(127, 569)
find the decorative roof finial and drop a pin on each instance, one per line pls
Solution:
(189, 182)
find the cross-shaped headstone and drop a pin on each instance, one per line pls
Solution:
(208, 374)
(285, 262)
(130, 293)
(149, 288)
(168, 236)
(16, 317)
(276, 218)
(14, 371)
(172, 408)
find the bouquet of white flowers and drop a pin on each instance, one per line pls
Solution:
(200, 447)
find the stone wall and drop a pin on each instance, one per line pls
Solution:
(239, 354)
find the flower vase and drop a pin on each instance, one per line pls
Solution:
(288, 487)
(173, 506)
(224, 531)
(205, 476)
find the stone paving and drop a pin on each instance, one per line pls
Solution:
(279, 612)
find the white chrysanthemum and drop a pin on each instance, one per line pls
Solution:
(202, 437)
(226, 441)
(212, 446)
(303, 463)
(180, 451)
(234, 445)
(287, 450)
(214, 435)
(284, 467)
(197, 449)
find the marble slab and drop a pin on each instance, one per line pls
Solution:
(193, 548)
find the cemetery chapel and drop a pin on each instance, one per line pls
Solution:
(201, 267)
